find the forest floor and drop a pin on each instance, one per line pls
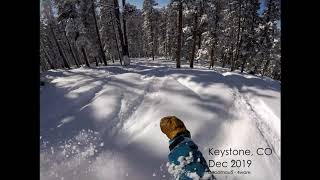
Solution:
(103, 122)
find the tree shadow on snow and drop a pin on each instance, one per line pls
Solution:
(138, 156)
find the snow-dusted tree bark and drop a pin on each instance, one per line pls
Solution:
(65, 62)
(46, 55)
(201, 27)
(124, 25)
(125, 50)
(97, 62)
(237, 46)
(98, 33)
(72, 51)
(124, 46)
(116, 40)
(214, 35)
(179, 34)
(194, 39)
(84, 53)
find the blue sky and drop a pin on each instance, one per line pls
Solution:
(139, 3)
(262, 6)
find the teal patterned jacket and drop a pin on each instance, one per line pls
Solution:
(187, 159)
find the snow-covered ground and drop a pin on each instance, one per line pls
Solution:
(103, 122)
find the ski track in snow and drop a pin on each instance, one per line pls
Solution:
(123, 116)
(267, 133)
(125, 105)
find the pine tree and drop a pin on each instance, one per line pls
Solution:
(228, 32)
(214, 23)
(162, 32)
(250, 43)
(271, 16)
(108, 31)
(171, 31)
(135, 31)
(195, 8)
(149, 26)
(50, 32)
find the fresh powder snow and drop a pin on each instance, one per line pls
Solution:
(102, 123)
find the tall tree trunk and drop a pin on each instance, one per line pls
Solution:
(43, 64)
(117, 14)
(248, 46)
(199, 40)
(53, 56)
(43, 60)
(85, 56)
(179, 35)
(116, 40)
(275, 72)
(194, 39)
(76, 52)
(265, 66)
(265, 29)
(268, 57)
(112, 57)
(47, 56)
(231, 57)
(239, 45)
(244, 61)
(255, 70)
(165, 49)
(126, 53)
(169, 48)
(213, 46)
(238, 51)
(257, 66)
(224, 60)
(97, 62)
(98, 34)
(65, 62)
(236, 56)
(73, 54)
(152, 50)
(212, 56)
(199, 32)
(49, 61)
(152, 40)
(199, 43)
